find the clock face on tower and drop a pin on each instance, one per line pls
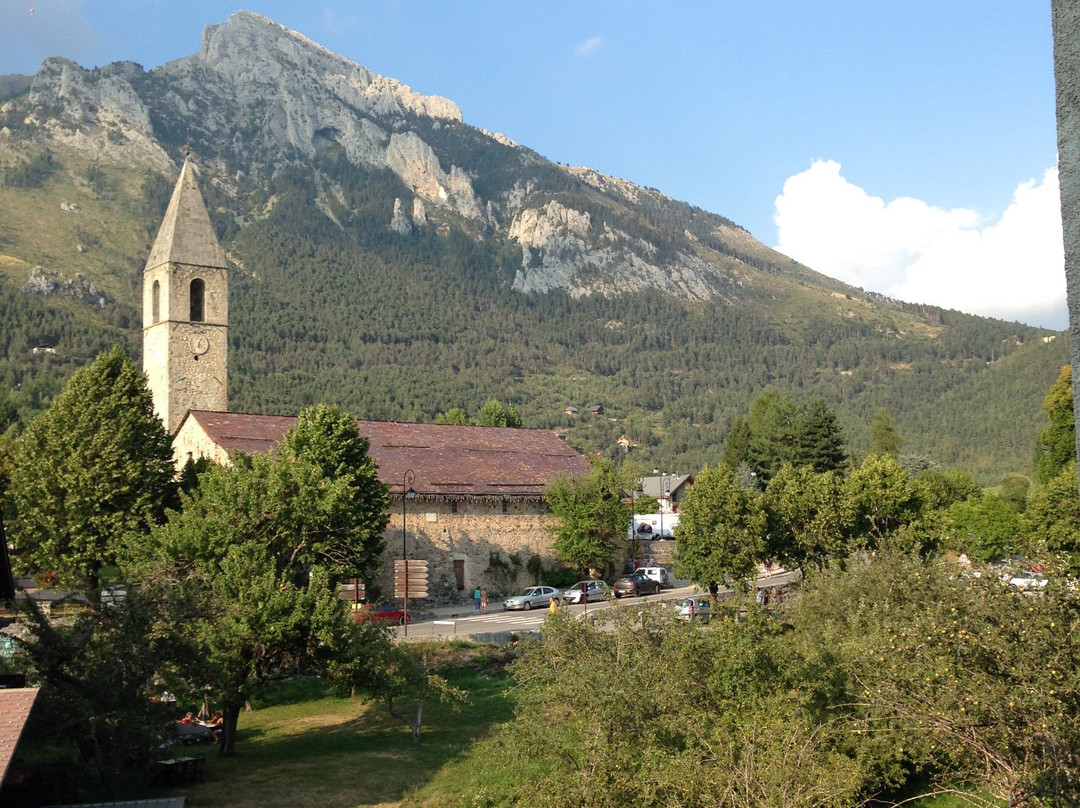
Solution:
(199, 344)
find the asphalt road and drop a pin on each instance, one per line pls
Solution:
(463, 623)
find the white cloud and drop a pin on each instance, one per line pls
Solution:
(589, 46)
(1013, 267)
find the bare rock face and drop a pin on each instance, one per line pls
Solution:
(100, 113)
(400, 223)
(263, 97)
(562, 249)
(416, 164)
(80, 288)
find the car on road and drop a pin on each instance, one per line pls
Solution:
(635, 585)
(1026, 580)
(533, 596)
(389, 612)
(658, 574)
(695, 608)
(586, 591)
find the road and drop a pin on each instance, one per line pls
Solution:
(464, 623)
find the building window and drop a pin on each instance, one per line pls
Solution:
(505, 506)
(198, 300)
(459, 573)
(453, 506)
(155, 302)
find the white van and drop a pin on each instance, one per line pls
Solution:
(654, 525)
(659, 574)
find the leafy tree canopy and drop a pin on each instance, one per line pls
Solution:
(1056, 444)
(96, 466)
(884, 439)
(590, 516)
(721, 530)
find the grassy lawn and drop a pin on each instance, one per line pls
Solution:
(307, 747)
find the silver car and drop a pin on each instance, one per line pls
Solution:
(696, 608)
(533, 596)
(586, 591)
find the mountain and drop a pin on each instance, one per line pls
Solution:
(394, 259)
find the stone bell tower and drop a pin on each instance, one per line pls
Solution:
(186, 310)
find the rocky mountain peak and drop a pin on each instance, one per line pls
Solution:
(256, 53)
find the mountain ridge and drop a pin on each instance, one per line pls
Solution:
(348, 204)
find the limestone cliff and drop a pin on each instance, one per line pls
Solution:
(258, 98)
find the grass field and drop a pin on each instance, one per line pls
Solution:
(306, 747)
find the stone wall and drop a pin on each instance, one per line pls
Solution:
(492, 548)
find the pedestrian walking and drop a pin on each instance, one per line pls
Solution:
(554, 605)
(483, 601)
(476, 599)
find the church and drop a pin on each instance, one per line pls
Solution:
(475, 507)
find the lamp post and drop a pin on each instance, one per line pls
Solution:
(407, 493)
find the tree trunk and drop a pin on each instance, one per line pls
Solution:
(230, 715)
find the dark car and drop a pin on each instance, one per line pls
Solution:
(635, 585)
(389, 612)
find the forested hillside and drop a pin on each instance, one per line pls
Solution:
(433, 266)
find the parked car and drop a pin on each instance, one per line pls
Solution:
(696, 608)
(390, 612)
(658, 574)
(1027, 580)
(586, 591)
(635, 585)
(533, 596)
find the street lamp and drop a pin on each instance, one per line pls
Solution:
(407, 493)
(639, 486)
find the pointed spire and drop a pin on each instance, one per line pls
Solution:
(186, 235)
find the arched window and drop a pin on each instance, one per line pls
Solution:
(155, 302)
(198, 299)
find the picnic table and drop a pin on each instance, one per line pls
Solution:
(177, 770)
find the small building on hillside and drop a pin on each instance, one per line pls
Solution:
(667, 489)
(479, 510)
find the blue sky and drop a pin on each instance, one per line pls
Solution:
(906, 147)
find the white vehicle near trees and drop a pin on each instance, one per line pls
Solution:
(653, 525)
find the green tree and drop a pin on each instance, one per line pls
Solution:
(259, 547)
(1056, 444)
(810, 517)
(96, 669)
(723, 726)
(721, 530)
(947, 674)
(884, 439)
(774, 422)
(455, 416)
(352, 539)
(494, 414)
(820, 442)
(737, 444)
(590, 516)
(96, 466)
(883, 497)
(1051, 522)
(985, 528)
(1014, 488)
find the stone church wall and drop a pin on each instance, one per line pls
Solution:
(477, 546)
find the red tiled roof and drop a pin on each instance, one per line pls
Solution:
(446, 459)
(15, 704)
